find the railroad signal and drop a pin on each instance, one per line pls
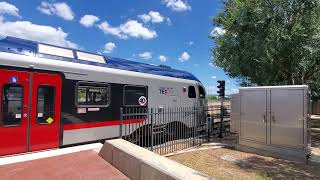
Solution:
(221, 93)
(221, 87)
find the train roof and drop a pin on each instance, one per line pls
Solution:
(31, 48)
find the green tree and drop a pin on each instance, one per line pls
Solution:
(270, 42)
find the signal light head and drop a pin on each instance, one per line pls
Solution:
(221, 88)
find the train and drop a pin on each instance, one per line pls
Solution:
(54, 96)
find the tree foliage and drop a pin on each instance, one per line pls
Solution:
(270, 42)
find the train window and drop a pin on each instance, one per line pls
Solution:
(192, 92)
(93, 95)
(12, 98)
(45, 104)
(135, 96)
(202, 93)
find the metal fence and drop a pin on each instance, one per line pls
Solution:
(215, 127)
(165, 130)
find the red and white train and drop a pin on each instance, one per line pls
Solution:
(52, 96)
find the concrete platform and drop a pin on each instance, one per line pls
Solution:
(81, 165)
(141, 164)
(47, 153)
(116, 159)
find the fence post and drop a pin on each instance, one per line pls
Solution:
(121, 117)
(151, 119)
(221, 118)
(195, 125)
(208, 126)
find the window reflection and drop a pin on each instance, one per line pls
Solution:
(12, 97)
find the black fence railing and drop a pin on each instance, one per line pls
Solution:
(214, 120)
(165, 130)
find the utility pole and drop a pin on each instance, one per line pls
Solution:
(221, 93)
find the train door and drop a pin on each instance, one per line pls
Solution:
(45, 111)
(29, 111)
(14, 93)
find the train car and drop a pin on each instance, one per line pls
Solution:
(54, 96)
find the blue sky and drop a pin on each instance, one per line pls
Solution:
(170, 32)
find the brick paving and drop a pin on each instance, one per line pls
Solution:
(84, 165)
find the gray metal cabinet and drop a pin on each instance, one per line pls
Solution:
(253, 110)
(287, 118)
(273, 119)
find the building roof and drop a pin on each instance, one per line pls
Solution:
(31, 48)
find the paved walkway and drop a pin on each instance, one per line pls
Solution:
(83, 165)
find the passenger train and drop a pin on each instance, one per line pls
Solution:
(52, 96)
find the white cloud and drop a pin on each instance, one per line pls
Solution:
(156, 17)
(184, 57)
(131, 28)
(169, 22)
(59, 9)
(107, 29)
(109, 47)
(230, 91)
(178, 5)
(217, 31)
(190, 43)
(153, 16)
(88, 20)
(162, 58)
(146, 55)
(134, 29)
(214, 77)
(212, 65)
(196, 65)
(6, 8)
(41, 33)
(145, 17)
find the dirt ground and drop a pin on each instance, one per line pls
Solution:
(223, 163)
(315, 141)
